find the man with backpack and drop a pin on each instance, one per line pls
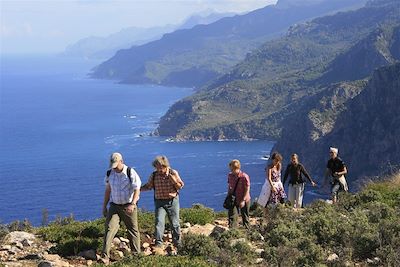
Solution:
(122, 192)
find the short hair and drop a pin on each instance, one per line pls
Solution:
(234, 164)
(294, 155)
(160, 161)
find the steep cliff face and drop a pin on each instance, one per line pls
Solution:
(254, 99)
(378, 49)
(366, 129)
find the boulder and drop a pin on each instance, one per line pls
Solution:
(147, 251)
(116, 241)
(116, 255)
(27, 242)
(88, 254)
(19, 245)
(124, 240)
(259, 260)
(259, 251)
(202, 229)
(145, 245)
(51, 257)
(333, 257)
(45, 264)
(18, 236)
(186, 225)
(6, 247)
(218, 229)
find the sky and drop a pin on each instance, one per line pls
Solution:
(48, 26)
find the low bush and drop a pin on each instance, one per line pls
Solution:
(198, 214)
(198, 246)
(162, 261)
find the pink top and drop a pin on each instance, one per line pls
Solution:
(244, 181)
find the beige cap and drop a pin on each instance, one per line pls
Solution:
(115, 159)
(334, 150)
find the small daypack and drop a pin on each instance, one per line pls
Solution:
(128, 173)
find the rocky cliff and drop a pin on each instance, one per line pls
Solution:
(256, 97)
(362, 121)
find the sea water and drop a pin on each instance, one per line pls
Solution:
(58, 128)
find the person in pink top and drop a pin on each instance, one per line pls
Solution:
(239, 185)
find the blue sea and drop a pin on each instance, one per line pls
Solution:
(58, 128)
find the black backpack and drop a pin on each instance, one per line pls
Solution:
(128, 172)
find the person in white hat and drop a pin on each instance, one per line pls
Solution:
(337, 170)
(122, 192)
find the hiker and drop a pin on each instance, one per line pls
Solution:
(122, 192)
(166, 184)
(238, 185)
(296, 182)
(337, 170)
(274, 177)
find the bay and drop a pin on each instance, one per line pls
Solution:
(58, 128)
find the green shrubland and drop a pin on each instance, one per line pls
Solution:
(362, 226)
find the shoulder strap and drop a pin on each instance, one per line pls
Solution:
(128, 173)
(234, 189)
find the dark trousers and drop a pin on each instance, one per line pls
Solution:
(233, 216)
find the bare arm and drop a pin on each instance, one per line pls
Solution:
(303, 170)
(149, 185)
(344, 172)
(107, 194)
(136, 195)
(176, 180)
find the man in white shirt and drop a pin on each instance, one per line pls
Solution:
(122, 192)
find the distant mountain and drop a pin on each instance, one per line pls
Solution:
(256, 98)
(106, 47)
(203, 18)
(365, 128)
(195, 56)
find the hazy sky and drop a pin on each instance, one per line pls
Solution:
(34, 26)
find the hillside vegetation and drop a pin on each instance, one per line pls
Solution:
(363, 228)
(253, 99)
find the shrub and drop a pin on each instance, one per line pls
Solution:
(74, 237)
(146, 222)
(368, 195)
(199, 246)
(162, 261)
(244, 251)
(223, 239)
(197, 214)
(311, 253)
(3, 232)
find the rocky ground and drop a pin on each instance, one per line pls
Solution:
(22, 249)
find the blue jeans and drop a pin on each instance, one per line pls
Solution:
(335, 188)
(169, 207)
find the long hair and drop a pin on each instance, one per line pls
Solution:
(279, 158)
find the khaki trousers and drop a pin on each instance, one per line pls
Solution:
(114, 215)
